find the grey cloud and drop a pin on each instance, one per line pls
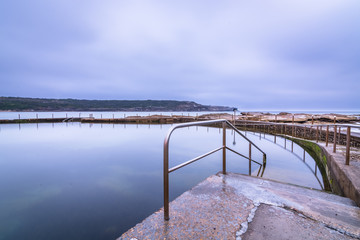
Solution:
(254, 54)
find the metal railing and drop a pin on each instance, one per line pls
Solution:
(225, 124)
(291, 150)
(291, 130)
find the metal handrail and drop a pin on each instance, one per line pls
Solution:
(334, 125)
(225, 124)
(296, 124)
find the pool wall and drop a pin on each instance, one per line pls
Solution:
(321, 159)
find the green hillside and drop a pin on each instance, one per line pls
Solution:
(43, 104)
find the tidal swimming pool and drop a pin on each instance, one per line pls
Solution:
(95, 181)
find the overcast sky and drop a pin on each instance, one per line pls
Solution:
(283, 55)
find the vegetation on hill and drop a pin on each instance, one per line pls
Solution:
(43, 104)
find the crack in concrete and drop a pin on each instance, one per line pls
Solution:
(244, 226)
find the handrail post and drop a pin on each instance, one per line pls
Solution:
(304, 156)
(264, 164)
(224, 148)
(327, 135)
(348, 138)
(249, 159)
(317, 133)
(264, 131)
(334, 149)
(166, 181)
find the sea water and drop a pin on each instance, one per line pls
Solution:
(95, 181)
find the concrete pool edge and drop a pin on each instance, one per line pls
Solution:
(222, 206)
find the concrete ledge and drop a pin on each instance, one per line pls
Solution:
(223, 207)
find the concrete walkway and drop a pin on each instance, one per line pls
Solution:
(235, 206)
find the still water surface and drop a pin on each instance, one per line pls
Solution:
(95, 181)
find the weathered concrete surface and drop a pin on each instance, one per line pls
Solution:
(202, 213)
(222, 206)
(269, 222)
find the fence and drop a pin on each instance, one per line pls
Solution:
(329, 133)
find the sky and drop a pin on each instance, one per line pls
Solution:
(272, 55)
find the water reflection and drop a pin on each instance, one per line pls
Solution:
(305, 158)
(94, 181)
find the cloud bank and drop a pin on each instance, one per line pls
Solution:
(249, 54)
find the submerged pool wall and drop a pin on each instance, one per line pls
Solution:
(321, 159)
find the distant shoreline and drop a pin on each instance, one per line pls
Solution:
(18, 104)
(105, 111)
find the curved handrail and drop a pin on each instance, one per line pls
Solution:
(225, 124)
